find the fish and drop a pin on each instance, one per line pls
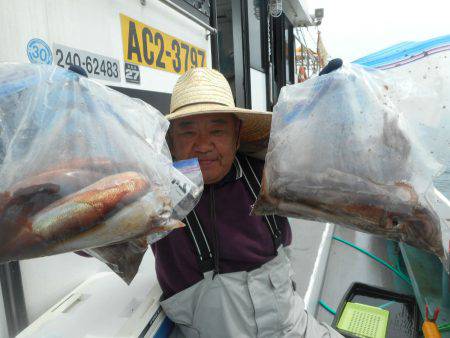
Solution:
(68, 180)
(149, 214)
(393, 211)
(112, 218)
(29, 196)
(36, 217)
(15, 210)
(128, 231)
(81, 210)
(341, 151)
(124, 258)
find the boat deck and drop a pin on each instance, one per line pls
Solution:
(325, 268)
(342, 264)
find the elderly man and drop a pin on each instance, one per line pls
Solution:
(226, 274)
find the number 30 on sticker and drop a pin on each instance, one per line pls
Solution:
(150, 47)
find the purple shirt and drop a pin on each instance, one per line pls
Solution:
(244, 241)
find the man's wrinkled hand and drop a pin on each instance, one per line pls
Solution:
(331, 66)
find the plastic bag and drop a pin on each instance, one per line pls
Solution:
(342, 151)
(122, 258)
(83, 166)
(425, 98)
(186, 189)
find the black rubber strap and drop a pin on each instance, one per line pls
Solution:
(252, 180)
(194, 230)
(205, 256)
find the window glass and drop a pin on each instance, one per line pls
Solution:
(289, 51)
(286, 54)
(225, 37)
(255, 12)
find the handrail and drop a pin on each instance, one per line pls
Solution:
(189, 15)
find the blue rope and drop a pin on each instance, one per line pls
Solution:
(326, 307)
(379, 260)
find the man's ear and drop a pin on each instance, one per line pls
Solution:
(169, 140)
(238, 133)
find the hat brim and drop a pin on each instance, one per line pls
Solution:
(255, 128)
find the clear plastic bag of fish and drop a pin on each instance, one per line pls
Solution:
(344, 150)
(82, 165)
(185, 192)
(187, 187)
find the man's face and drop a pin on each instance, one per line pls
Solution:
(212, 138)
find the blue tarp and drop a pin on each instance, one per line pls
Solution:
(404, 51)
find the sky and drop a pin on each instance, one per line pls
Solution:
(354, 28)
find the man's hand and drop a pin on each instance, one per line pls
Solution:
(331, 66)
(82, 253)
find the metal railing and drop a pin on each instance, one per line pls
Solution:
(189, 15)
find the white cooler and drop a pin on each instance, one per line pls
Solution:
(104, 306)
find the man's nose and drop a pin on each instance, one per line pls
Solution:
(203, 143)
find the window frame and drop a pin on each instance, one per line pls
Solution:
(188, 7)
(263, 38)
(278, 45)
(13, 298)
(291, 50)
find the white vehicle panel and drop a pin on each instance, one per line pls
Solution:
(94, 26)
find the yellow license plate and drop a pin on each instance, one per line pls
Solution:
(147, 46)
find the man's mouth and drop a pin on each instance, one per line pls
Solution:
(206, 162)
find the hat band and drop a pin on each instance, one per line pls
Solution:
(199, 103)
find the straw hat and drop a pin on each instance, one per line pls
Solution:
(206, 91)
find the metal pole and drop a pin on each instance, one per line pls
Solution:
(189, 15)
(307, 63)
(214, 38)
(13, 297)
(269, 58)
(246, 55)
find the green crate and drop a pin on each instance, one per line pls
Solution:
(364, 321)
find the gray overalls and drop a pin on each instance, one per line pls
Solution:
(258, 303)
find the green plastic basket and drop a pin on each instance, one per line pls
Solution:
(364, 320)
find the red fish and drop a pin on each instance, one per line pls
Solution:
(33, 218)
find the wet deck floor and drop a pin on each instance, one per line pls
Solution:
(345, 265)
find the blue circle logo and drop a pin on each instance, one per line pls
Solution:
(39, 52)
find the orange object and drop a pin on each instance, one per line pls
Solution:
(429, 327)
(302, 74)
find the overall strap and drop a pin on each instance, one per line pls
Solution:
(195, 231)
(253, 183)
(193, 228)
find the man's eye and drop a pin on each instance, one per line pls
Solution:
(187, 133)
(217, 132)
